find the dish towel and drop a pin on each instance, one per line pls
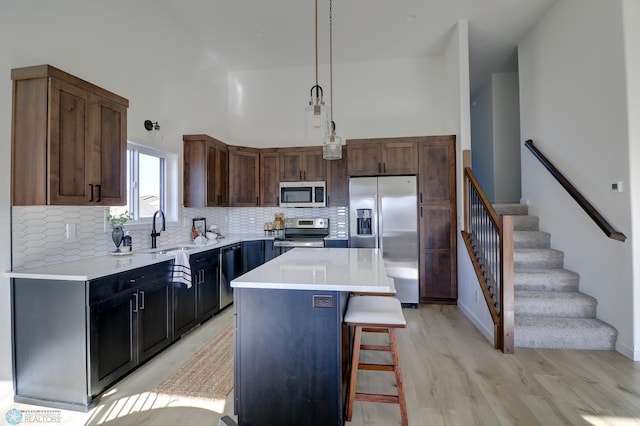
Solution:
(181, 268)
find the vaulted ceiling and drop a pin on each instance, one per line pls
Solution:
(267, 34)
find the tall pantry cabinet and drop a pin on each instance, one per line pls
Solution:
(69, 140)
(437, 219)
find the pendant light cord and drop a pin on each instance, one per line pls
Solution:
(316, 16)
(333, 126)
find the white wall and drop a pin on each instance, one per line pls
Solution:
(131, 48)
(482, 138)
(401, 97)
(573, 106)
(631, 14)
(506, 131)
(495, 141)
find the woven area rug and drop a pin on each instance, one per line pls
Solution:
(208, 374)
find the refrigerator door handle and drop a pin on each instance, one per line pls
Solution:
(380, 222)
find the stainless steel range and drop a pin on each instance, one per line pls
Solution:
(299, 232)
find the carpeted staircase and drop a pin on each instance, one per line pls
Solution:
(550, 311)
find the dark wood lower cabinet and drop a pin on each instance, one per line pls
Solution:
(74, 339)
(291, 358)
(155, 319)
(206, 270)
(253, 254)
(112, 341)
(185, 309)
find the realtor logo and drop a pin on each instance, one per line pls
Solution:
(13, 416)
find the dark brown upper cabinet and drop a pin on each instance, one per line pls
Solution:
(302, 164)
(206, 171)
(244, 177)
(69, 140)
(384, 156)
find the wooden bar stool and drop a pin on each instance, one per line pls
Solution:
(381, 314)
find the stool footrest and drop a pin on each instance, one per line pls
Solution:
(375, 367)
(368, 397)
(375, 348)
(374, 330)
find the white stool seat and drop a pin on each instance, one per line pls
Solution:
(374, 310)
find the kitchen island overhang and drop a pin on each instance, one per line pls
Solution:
(292, 350)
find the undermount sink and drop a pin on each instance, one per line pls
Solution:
(167, 250)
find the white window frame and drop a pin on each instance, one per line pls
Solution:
(168, 188)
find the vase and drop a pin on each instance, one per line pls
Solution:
(117, 235)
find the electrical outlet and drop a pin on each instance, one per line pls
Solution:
(322, 301)
(70, 230)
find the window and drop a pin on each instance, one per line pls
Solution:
(147, 189)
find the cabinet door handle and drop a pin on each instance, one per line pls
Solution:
(201, 276)
(379, 167)
(91, 190)
(257, 201)
(99, 192)
(142, 300)
(384, 167)
(300, 173)
(135, 309)
(421, 198)
(219, 199)
(420, 211)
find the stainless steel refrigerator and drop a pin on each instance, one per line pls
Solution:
(383, 213)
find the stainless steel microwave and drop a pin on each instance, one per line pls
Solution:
(303, 194)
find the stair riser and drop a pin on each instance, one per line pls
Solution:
(526, 223)
(545, 286)
(550, 280)
(538, 261)
(587, 341)
(511, 209)
(546, 308)
(531, 239)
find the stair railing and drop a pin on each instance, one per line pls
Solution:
(489, 241)
(602, 223)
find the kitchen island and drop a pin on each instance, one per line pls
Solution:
(291, 349)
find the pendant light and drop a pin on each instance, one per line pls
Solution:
(316, 103)
(332, 144)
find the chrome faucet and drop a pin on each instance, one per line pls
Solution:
(155, 233)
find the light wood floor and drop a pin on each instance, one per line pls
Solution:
(452, 376)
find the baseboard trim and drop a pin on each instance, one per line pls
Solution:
(488, 334)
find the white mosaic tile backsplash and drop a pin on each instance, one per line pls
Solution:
(39, 232)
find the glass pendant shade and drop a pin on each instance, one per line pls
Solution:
(332, 147)
(316, 112)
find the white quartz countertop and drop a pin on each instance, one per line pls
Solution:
(102, 266)
(328, 269)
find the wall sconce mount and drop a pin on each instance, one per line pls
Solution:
(150, 125)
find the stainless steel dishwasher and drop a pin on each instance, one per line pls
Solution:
(230, 268)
